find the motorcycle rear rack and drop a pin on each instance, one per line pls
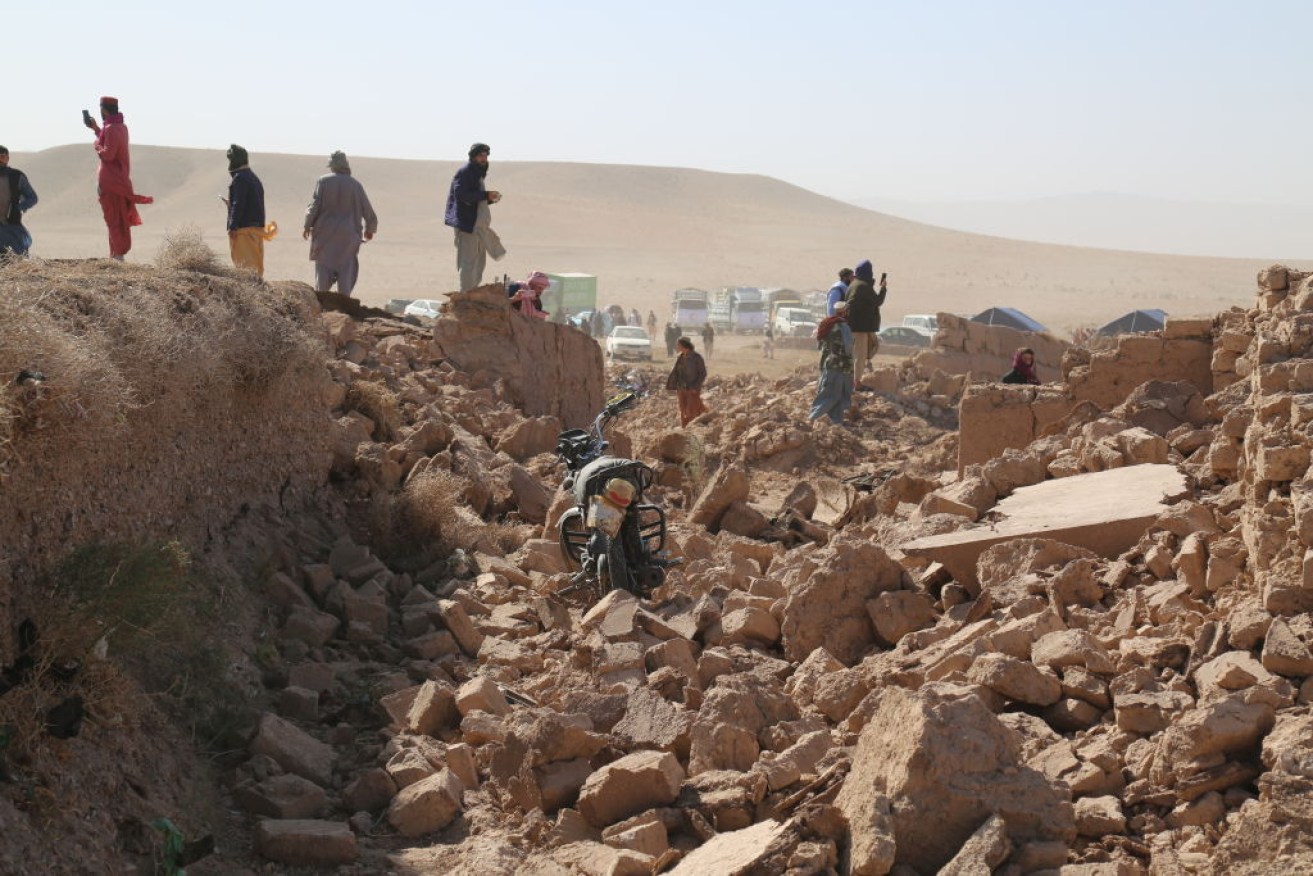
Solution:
(651, 532)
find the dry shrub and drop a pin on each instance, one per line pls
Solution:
(185, 249)
(377, 402)
(420, 524)
(111, 337)
(424, 523)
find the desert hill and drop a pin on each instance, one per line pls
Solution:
(643, 230)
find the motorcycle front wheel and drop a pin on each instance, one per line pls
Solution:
(613, 572)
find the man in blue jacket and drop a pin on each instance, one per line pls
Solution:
(839, 291)
(245, 212)
(16, 198)
(468, 214)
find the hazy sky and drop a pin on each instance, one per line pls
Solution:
(926, 100)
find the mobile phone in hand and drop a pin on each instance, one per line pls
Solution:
(87, 119)
(882, 278)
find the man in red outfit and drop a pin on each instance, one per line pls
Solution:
(114, 180)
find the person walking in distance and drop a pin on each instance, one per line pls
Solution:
(16, 198)
(709, 339)
(245, 204)
(118, 200)
(651, 326)
(686, 379)
(468, 213)
(864, 304)
(672, 335)
(339, 209)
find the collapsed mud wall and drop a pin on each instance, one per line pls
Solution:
(1183, 350)
(994, 417)
(984, 352)
(144, 405)
(1264, 441)
(548, 369)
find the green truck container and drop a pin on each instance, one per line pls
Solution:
(572, 293)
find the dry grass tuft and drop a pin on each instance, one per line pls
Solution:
(429, 519)
(377, 402)
(420, 524)
(185, 249)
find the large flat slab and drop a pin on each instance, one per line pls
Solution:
(1105, 511)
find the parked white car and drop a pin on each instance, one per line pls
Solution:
(926, 323)
(425, 307)
(628, 342)
(794, 322)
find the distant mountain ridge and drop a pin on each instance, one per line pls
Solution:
(1129, 222)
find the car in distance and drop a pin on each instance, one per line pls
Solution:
(904, 336)
(425, 307)
(794, 322)
(928, 322)
(628, 342)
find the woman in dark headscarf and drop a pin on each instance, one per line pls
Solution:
(1023, 368)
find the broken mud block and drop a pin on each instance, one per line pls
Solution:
(481, 693)
(1106, 512)
(750, 850)
(369, 791)
(428, 805)
(285, 797)
(633, 784)
(944, 764)
(432, 710)
(306, 843)
(826, 605)
(295, 750)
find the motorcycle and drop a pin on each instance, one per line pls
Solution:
(611, 536)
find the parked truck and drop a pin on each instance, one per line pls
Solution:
(572, 293)
(719, 309)
(689, 307)
(777, 298)
(747, 309)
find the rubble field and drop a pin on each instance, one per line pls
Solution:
(1091, 653)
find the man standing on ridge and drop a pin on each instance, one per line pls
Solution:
(468, 212)
(333, 221)
(16, 198)
(839, 291)
(118, 201)
(245, 203)
(864, 304)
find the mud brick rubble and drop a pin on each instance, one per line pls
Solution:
(803, 695)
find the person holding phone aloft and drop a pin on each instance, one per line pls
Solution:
(118, 200)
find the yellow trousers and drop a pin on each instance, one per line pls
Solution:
(247, 247)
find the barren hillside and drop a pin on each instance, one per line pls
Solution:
(643, 230)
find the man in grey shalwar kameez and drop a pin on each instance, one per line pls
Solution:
(333, 223)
